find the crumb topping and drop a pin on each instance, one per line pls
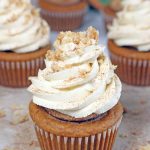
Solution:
(24, 5)
(54, 55)
(19, 3)
(79, 39)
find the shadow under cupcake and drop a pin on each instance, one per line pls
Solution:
(23, 44)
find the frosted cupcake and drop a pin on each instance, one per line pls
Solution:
(24, 41)
(76, 97)
(63, 17)
(129, 42)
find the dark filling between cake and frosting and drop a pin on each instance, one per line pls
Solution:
(67, 118)
(133, 48)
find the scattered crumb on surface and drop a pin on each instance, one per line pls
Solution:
(34, 143)
(2, 113)
(135, 112)
(147, 147)
(20, 148)
(121, 135)
(16, 107)
(8, 148)
(19, 116)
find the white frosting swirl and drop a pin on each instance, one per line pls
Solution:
(132, 26)
(78, 81)
(21, 27)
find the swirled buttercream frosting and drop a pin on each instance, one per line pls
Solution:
(132, 26)
(21, 27)
(78, 79)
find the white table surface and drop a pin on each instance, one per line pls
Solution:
(135, 127)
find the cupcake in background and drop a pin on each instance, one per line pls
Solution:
(63, 16)
(63, 2)
(24, 42)
(109, 8)
(76, 97)
(129, 42)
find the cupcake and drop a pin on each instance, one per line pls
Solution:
(62, 17)
(109, 8)
(24, 42)
(129, 42)
(76, 97)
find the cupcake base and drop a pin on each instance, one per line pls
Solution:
(63, 18)
(15, 68)
(55, 134)
(133, 66)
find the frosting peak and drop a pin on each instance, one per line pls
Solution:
(21, 27)
(132, 26)
(77, 82)
(78, 39)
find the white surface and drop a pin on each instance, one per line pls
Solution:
(134, 130)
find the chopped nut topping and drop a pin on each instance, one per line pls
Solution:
(54, 55)
(80, 39)
(27, 18)
(24, 4)
(35, 12)
(101, 58)
(12, 19)
(55, 67)
(92, 33)
(19, 3)
(83, 74)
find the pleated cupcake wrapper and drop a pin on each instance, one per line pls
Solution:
(99, 141)
(132, 71)
(16, 73)
(64, 21)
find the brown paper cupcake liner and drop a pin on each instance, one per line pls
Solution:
(56, 134)
(100, 141)
(64, 21)
(61, 3)
(62, 18)
(16, 68)
(133, 66)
